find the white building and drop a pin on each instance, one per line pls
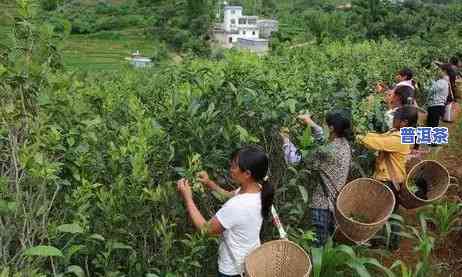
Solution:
(139, 61)
(243, 31)
(256, 45)
(266, 27)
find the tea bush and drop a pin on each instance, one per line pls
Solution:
(89, 162)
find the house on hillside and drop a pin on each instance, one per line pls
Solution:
(344, 7)
(138, 61)
(266, 27)
(243, 31)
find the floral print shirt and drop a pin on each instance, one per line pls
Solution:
(332, 161)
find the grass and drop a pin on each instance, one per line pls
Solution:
(93, 53)
(87, 52)
(3, 32)
(101, 51)
(6, 10)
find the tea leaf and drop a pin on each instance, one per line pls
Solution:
(43, 251)
(76, 270)
(304, 193)
(97, 237)
(70, 228)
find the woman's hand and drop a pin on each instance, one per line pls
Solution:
(381, 87)
(184, 189)
(305, 118)
(203, 177)
(389, 95)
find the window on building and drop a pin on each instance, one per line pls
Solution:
(242, 21)
(233, 21)
(244, 32)
(253, 33)
(252, 21)
(233, 11)
(230, 39)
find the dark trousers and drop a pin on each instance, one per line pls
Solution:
(323, 222)
(435, 113)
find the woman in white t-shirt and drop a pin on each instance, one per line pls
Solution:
(240, 219)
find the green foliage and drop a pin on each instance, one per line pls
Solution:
(112, 143)
(303, 238)
(326, 26)
(402, 269)
(49, 5)
(43, 251)
(88, 18)
(371, 19)
(445, 216)
(183, 24)
(342, 260)
(425, 243)
(89, 161)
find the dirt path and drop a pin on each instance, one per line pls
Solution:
(449, 253)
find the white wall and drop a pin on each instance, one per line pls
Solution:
(231, 13)
(249, 33)
(259, 47)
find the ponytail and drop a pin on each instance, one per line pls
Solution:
(267, 195)
(255, 160)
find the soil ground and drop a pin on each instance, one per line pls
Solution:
(448, 253)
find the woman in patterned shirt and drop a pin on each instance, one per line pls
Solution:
(332, 160)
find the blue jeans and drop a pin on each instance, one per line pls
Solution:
(323, 222)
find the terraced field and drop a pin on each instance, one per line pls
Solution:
(90, 52)
(94, 52)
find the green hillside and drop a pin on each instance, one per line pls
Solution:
(96, 49)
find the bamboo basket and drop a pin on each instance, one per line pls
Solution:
(278, 258)
(367, 197)
(437, 178)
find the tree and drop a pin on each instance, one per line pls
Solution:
(370, 13)
(183, 24)
(268, 8)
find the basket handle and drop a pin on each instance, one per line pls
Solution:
(277, 222)
(453, 181)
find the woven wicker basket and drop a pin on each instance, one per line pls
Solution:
(367, 197)
(437, 178)
(278, 258)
